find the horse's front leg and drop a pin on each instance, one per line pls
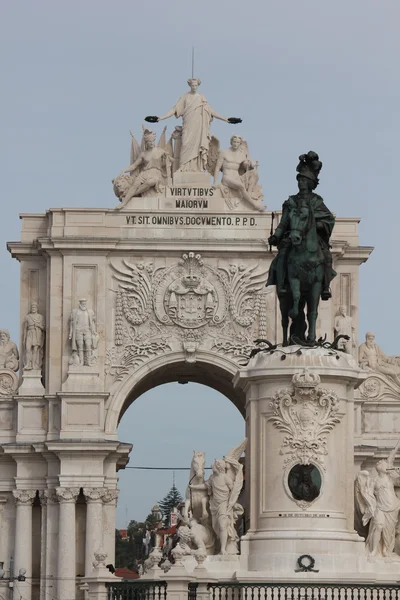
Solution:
(204, 512)
(312, 311)
(295, 289)
(187, 507)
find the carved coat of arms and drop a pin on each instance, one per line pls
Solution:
(183, 306)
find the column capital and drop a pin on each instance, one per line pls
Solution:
(94, 494)
(67, 495)
(24, 496)
(111, 496)
(48, 497)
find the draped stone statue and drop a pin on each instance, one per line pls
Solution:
(239, 174)
(378, 506)
(83, 333)
(149, 170)
(344, 326)
(196, 115)
(224, 487)
(371, 357)
(33, 338)
(9, 356)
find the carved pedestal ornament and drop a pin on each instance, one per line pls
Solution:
(185, 306)
(305, 414)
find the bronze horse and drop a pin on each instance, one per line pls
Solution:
(305, 276)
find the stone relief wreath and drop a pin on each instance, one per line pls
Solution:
(185, 306)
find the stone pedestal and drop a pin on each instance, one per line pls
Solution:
(299, 462)
(31, 383)
(82, 379)
(191, 179)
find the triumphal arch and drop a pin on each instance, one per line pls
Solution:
(167, 284)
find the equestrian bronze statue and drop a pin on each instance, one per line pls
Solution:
(302, 270)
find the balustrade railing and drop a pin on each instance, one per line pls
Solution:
(137, 590)
(299, 591)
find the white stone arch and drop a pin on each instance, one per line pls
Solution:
(210, 369)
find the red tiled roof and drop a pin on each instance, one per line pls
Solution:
(168, 531)
(123, 532)
(126, 573)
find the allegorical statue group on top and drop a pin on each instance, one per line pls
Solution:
(190, 149)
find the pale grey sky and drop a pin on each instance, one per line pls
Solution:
(316, 74)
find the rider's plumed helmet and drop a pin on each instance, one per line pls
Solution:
(309, 166)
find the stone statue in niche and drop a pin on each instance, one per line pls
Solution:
(149, 170)
(344, 326)
(302, 270)
(33, 339)
(378, 507)
(197, 116)
(9, 356)
(239, 174)
(83, 334)
(371, 357)
(223, 488)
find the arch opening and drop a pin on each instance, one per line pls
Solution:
(216, 373)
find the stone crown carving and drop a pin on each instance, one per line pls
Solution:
(306, 380)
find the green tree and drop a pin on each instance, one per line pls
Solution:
(170, 501)
(151, 522)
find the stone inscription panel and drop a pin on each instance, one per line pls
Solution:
(152, 220)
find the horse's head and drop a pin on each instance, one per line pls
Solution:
(199, 458)
(299, 223)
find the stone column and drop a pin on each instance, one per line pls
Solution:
(23, 539)
(109, 519)
(94, 525)
(66, 563)
(49, 544)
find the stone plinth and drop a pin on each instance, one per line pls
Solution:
(82, 378)
(299, 466)
(31, 383)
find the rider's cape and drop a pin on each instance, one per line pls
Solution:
(321, 215)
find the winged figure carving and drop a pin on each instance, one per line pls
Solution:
(224, 487)
(149, 170)
(134, 295)
(378, 507)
